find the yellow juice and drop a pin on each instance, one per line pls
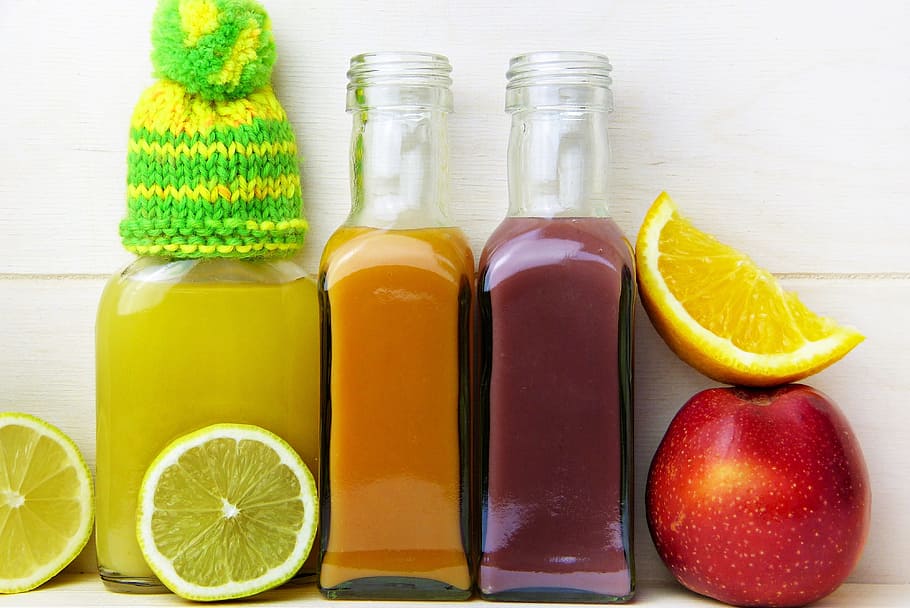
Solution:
(173, 357)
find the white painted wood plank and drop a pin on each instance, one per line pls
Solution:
(86, 590)
(47, 361)
(780, 126)
(47, 369)
(870, 385)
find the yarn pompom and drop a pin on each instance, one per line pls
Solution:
(218, 49)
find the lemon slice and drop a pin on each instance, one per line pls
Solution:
(45, 502)
(225, 512)
(722, 314)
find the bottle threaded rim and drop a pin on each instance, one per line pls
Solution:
(559, 67)
(559, 80)
(406, 71)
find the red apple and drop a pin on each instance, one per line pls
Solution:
(759, 497)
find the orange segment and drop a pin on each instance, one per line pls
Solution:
(724, 315)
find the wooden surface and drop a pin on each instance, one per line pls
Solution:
(781, 127)
(86, 590)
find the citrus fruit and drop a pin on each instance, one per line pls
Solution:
(722, 314)
(225, 512)
(45, 502)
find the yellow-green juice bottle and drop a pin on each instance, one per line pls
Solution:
(215, 321)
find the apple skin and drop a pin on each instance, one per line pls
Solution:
(759, 497)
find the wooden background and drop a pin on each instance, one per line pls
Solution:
(781, 126)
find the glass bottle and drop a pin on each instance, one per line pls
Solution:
(395, 287)
(214, 322)
(180, 345)
(556, 298)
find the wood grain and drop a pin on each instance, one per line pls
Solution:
(781, 127)
(87, 590)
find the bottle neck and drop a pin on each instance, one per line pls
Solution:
(399, 147)
(558, 163)
(399, 168)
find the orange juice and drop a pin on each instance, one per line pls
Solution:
(396, 306)
(181, 345)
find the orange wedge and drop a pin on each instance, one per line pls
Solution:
(722, 314)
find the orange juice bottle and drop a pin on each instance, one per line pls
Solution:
(395, 287)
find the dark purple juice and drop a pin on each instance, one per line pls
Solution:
(556, 308)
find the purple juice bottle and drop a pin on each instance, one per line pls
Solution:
(557, 294)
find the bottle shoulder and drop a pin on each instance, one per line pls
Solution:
(148, 282)
(387, 243)
(211, 270)
(443, 251)
(519, 244)
(591, 235)
(156, 289)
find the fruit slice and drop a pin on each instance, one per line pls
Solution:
(722, 314)
(46, 504)
(226, 512)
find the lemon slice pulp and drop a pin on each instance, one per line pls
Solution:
(226, 512)
(46, 506)
(723, 314)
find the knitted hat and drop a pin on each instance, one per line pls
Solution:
(212, 162)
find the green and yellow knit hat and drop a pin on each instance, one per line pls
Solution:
(212, 161)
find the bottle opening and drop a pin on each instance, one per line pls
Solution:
(399, 79)
(560, 80)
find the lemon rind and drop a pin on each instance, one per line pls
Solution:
(85, 496)
(161, 565)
